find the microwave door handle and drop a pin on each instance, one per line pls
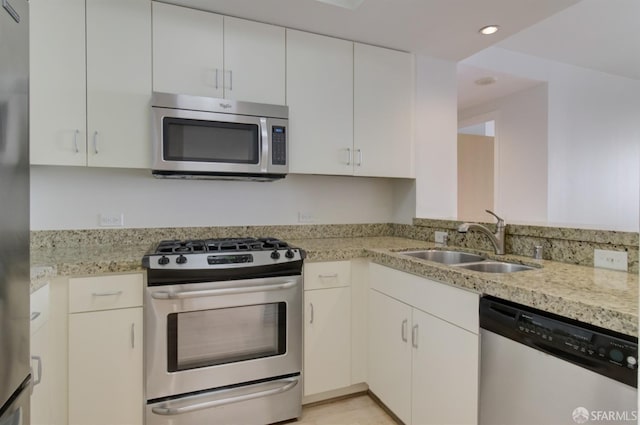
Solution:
(264, 144)
(167, 410)
(166, 295)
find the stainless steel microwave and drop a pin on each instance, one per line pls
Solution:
(201, 137)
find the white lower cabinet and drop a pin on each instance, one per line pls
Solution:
(390, 353)
(41, 358)
(327, 330)
(327, 355)
(105, 350)
(423, 348)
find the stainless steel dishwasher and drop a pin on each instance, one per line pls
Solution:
(538, 368)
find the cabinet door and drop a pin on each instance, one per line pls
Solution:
(383, 112)
(105, 367)
(187, 51)
(390, 353)
(254, 61)
(320, 99)
(119, 83)
(40, 362)
(445, 373)
(57, 98)
(327, 340)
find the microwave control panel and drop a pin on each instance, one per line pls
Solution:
(278, 145)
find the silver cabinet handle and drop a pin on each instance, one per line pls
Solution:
(230, 80)
(216, 78)
(95, 142)
(328, 276)
(34, 315)
(165, 295)
(349, 156)
(75, 140)
(167, 410)
(311, 320)
(11, 11)
(403, 330)
(359, 163)
(414, 336)
(38, 379)
(133, 335)
(107, 294)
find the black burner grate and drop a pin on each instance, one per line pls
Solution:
(219, 245)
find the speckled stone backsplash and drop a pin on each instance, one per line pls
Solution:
(151, 236)
(573, 246)
(567, 245)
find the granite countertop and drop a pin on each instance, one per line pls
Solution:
(601, 297)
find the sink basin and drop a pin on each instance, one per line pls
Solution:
(445, 257)
(495, 267)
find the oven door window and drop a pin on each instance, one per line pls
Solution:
(227, 335)
(210, 141)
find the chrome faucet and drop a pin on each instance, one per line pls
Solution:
(497, 238)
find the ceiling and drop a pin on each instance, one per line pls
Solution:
(445, 29)
(599, 34)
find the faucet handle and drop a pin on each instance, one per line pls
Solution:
(500, 220)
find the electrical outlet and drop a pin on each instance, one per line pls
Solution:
(111, 220)
(615, 260)
(441, 237)
(306, 217)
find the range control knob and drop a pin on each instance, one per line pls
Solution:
(275, 255)
(163, 261)
(632, 360)
(181, 259)
(289, 254)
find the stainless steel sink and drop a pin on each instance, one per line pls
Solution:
(445, 257)
(495, 267)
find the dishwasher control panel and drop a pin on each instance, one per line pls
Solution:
(606, 352)
(579, 340)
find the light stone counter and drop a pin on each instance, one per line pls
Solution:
(601, 297)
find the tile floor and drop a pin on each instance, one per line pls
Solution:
(360, 410)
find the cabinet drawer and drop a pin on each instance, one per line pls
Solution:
(454, 305)
(105, 292)
(39, 308)
(330, 274)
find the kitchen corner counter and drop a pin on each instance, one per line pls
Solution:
(604, 298)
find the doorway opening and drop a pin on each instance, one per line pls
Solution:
(476, 171)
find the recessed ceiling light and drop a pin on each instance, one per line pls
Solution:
(485, 81)
(489, 29)
(347, 4)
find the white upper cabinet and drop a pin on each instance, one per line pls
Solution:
(57, 92)
(383, 112)
(254, 61)
(90, 82)
(187, 51)
(320, 99)
(119, 83)
(205, 54)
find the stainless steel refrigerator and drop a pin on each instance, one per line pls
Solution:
(15, 377)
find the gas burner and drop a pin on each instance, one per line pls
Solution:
(181, 247)
(222, 253)
(219, 245)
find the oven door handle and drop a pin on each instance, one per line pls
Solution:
(167, 410)
(166, 295)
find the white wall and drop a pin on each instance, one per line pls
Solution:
(520, 186)
(593, 140)
(436, 138)
(73, 197)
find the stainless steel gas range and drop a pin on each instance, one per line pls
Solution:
(223, 332)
